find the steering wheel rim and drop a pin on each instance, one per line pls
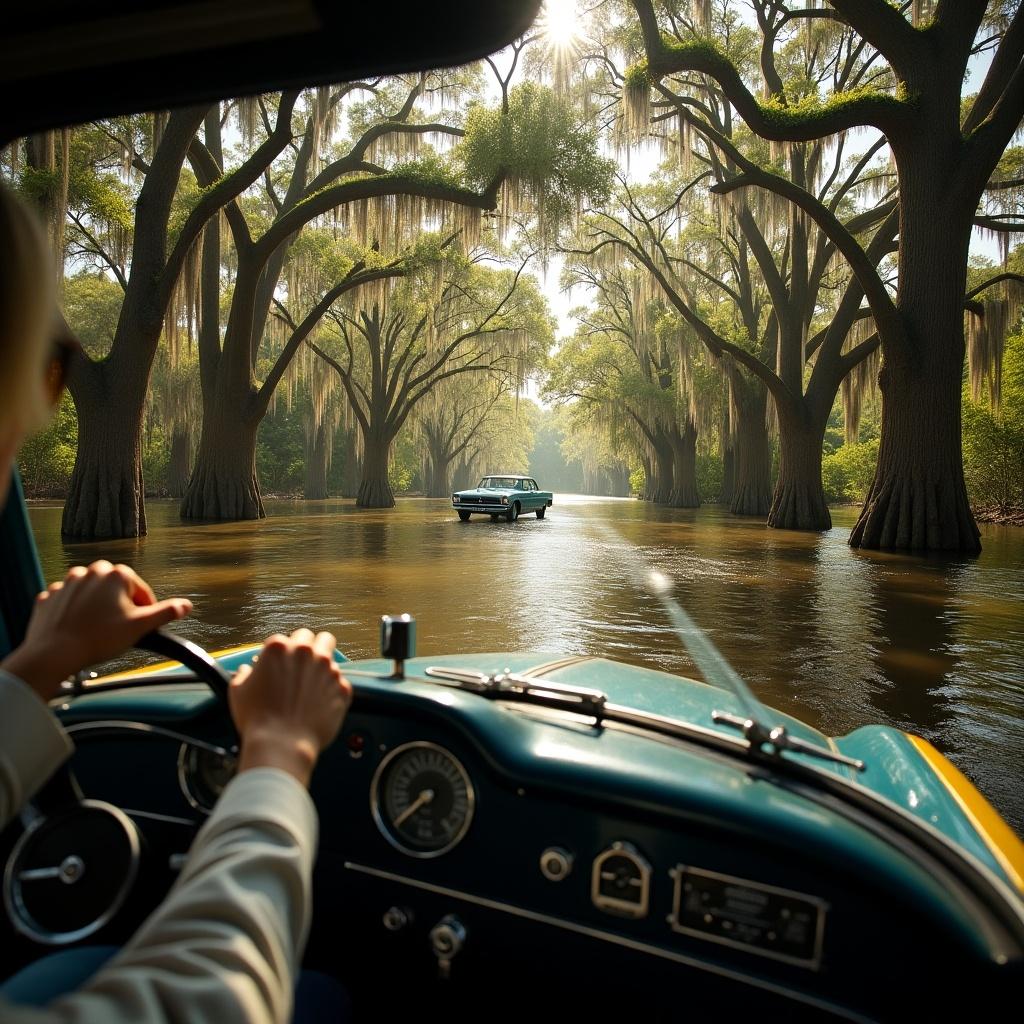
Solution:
(192, 656)
(62, 789)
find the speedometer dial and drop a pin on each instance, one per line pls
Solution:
(422, 799)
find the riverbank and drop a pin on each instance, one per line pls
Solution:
(1001, 517)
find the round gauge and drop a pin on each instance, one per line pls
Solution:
(70, 873)
(422, 799)
(203, 773)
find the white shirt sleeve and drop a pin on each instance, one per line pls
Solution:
(225, 945)
(32, 745)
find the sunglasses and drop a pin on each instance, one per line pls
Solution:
(64, 347)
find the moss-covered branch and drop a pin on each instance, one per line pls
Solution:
(225, 190)
(773, 119)
(372, 188)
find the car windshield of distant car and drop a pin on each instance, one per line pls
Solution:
(499, 481)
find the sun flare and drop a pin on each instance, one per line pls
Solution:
(560, 24)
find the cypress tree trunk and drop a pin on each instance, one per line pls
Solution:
(648, 469)
(180, 464)
(684, 468)
(438, 471)
(314, 486)
(918, 499)
(799, 499)
(728, 472)
(105, 493)
(619, 476)
(374, 486)
(752, 465)
(223, 483)
(350, 470)
(659, 489)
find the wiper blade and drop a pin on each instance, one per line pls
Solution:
(717, 671)
(512, 687)
(508, 686)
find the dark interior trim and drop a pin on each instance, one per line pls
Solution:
(64, 63)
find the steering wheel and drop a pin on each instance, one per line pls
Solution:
(191, 656)
(62, 789)
(67, 838)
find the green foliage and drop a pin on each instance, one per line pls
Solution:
(784, 116)
(46, 459)
(92, 306)
(847, 473)
(403, 472)
(543, 143)
(39, 185)
(638, 480)
(280, 452)
(637, 75)
(993, 444)
(156, 460)
(428, 169)
(710, 475)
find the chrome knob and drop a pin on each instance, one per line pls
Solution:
(556, 863)
(397, 918)
(398, 641)
(447, 937)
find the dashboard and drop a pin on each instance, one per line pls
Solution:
(490, 852)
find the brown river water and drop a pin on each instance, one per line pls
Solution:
(836, 637)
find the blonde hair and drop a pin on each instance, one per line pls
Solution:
(26, 317)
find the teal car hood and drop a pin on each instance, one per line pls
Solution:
(894, 771)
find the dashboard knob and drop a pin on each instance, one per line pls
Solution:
(447, 937)
(556, 863)
(397, 918)
(398, 641)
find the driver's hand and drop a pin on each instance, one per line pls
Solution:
(96, 613)
(291, 704)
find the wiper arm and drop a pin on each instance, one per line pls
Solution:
(779, 739)
(718, 672)
(512, 687)
(509, 686)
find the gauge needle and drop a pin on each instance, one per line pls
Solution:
(421, 801)
(68, 871)
(34, 874)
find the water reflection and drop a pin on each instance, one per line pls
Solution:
(915, 647)
(836, 637)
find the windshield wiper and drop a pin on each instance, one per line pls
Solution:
(717, 671)
(512, 687)
(509, 686)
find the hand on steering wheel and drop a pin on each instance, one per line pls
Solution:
(94, 614)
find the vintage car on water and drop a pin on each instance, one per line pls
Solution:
(602, 841)
(509, 495)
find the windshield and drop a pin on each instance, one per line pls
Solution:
(384, 308)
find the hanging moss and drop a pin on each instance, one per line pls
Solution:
(545, 153)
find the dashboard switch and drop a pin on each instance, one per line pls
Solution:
(621, 881)
(556, 863)
(447, 938)
(397, 918)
